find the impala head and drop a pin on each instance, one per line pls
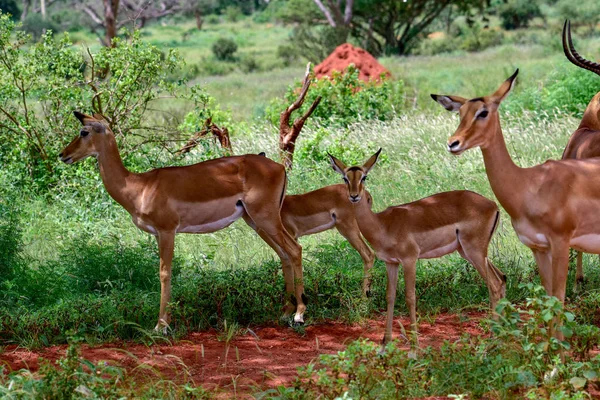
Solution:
(478, 117)
(90, 138)
(355, 177)
(591, 117)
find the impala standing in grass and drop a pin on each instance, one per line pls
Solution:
(553, 206)
(437, 225)
(199, 198)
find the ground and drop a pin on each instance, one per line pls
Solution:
(263, 358)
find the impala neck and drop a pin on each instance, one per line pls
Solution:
(114, 174)
(368, 222)
(591, 115)
(506, 178)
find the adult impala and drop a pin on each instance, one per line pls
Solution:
(323, 209)
(585, 141)
(460, 221)
(199, 198)
(553, 206)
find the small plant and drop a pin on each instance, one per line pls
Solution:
(233, 13)
(224, 49)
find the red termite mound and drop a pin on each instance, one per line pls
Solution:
(346, 54)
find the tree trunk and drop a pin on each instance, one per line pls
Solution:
(199, 20)
(25, 12)
(111, 9)
(43, 9)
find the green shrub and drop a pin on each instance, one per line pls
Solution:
(345, 99)
(249, 63)
(521, 360)
(224, 49)
(210, 66)
(517, 14)
(233, 13)
(476, 38)
(35, 25)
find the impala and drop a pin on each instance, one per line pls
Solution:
(460, 221)
(553, 206)
(199, 198)
(585, 141)
(323, 209)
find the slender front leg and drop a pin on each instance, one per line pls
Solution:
(166, 246)
(560, 269)
(392, 284)
(410, 277)
(543, 260)
(352, 233)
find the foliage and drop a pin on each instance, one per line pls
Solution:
(42, 83)
(517, 14)
(345, 99)
(468, 38)
(584, 12)
(520, 359)
(233, 13)
(10, 7)
(224, 49)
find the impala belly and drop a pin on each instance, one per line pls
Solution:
(440, 250)
(589, 243)
(225, 219)
(320, 223)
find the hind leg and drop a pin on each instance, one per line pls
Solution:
(473, 248)
(579, 273)
(267, 223)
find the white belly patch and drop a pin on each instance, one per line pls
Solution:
(214, 225)
(589, 243)
(317, 229)
(440, 251)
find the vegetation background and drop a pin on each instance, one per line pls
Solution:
(73, 268)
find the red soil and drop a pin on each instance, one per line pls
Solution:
(346, 54)
(266, 360)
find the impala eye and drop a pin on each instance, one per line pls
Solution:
(482, 114)
(84, 133)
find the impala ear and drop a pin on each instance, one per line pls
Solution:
(371, 162)
(504, 89)
(83, 118)
(450, 103)
(337, 165)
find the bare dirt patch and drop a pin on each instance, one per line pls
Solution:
(256, 361)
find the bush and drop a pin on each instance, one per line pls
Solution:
(345, 99)
(249, 63)
(224, 49)
(36, 26)
(233, 13)
(517, 14)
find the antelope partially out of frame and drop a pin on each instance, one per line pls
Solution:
(460, 221)
(553, 206)
(585, 141)
(323, 209)
(199, 198)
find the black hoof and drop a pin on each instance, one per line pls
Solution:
(368, 293)
(304, 299)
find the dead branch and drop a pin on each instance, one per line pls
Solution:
(221, 134)
(288, 133)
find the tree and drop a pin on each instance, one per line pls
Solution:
(339, 16)
(9, 7)
(115, 14)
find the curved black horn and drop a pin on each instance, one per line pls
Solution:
(573, 55)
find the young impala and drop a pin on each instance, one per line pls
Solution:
(323, 209)
(199, 198)
(552, 206)
(585, 141)
(460, 221)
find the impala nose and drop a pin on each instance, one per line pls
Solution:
(454, 146)
(354, 198)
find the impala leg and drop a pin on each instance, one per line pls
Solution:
(579, 273)
(290, 254)
(392, 284)
(352, 234)
(560, 269)
(543, 260)
(410, 278)
(166, 246)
